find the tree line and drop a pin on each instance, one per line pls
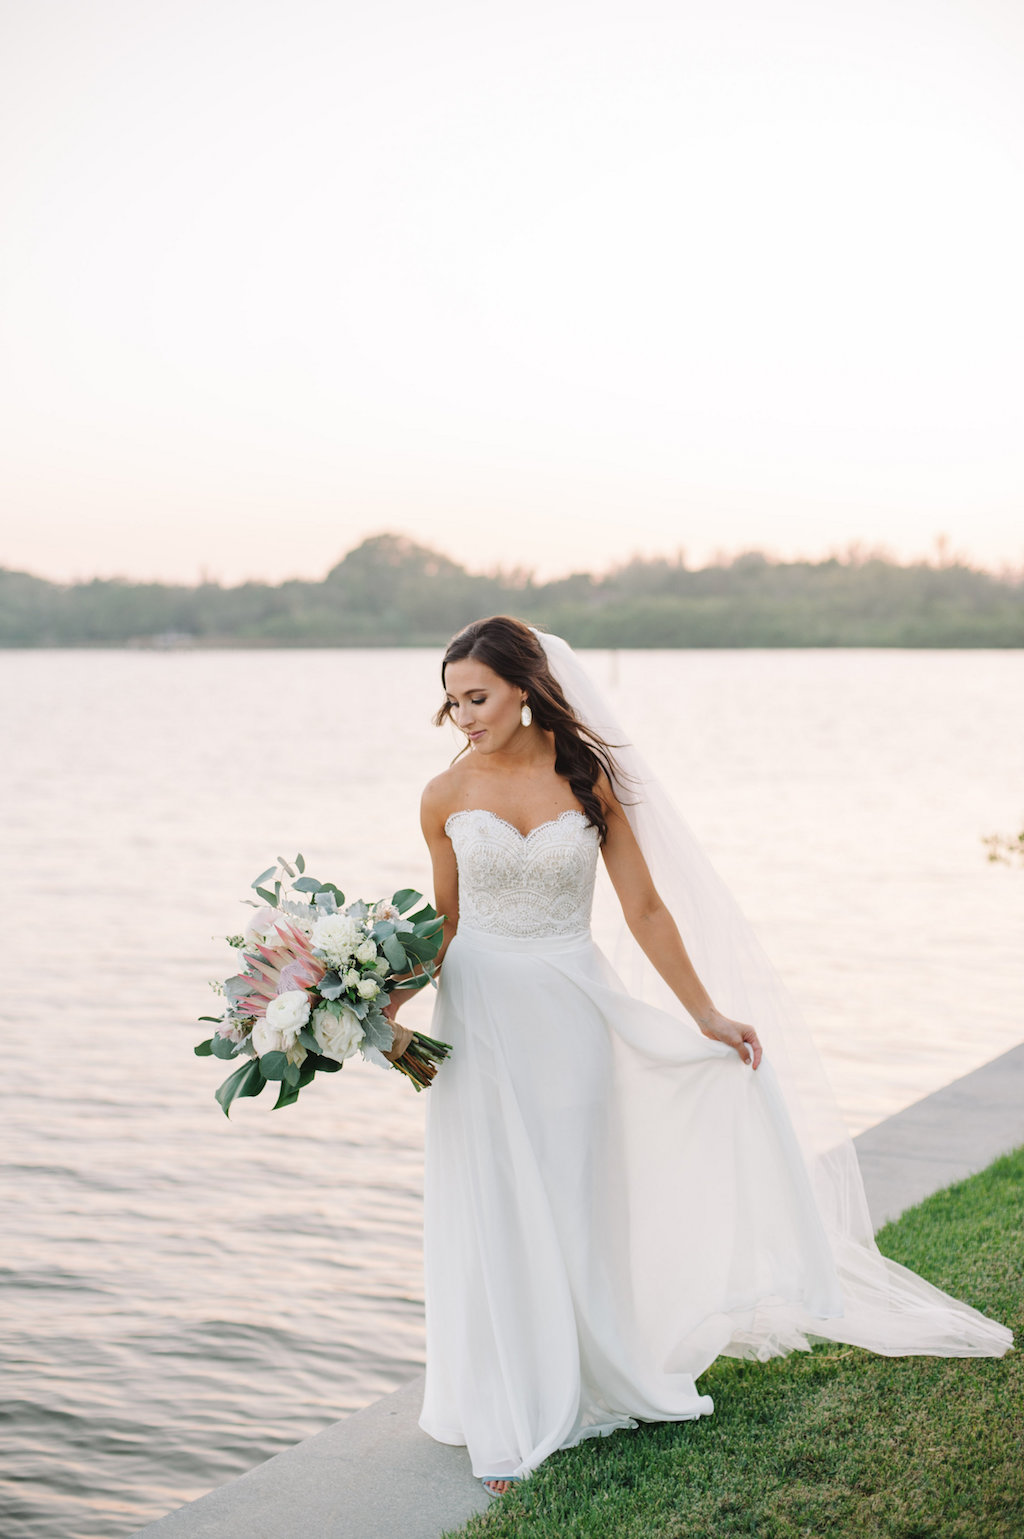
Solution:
(391, 591)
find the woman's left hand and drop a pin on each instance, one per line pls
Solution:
(742, 1039)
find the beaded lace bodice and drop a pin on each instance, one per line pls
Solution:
(540, 883)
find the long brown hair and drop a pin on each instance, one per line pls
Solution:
(511, 649)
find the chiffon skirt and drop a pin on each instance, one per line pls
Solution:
(611, 1201)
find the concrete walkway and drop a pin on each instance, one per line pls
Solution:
(375, 1475)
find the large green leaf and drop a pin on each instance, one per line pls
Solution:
(292, 1074)
(222, 1048)
(405, 898)
(245, 1081)
(286, 1095)
(204, 1049)
(273, 1065)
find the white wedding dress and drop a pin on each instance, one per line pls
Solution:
(612, 1200)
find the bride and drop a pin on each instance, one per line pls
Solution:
(620, 1185)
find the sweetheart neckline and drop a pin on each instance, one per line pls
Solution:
(570, 812)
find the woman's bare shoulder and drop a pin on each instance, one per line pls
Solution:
(442, 795)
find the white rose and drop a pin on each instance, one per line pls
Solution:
(337, 936)
(351, 978)
(367, 952)
(338, 1036)
(368, 987)
(266, 1040)
(287, 1013)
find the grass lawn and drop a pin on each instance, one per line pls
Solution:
(830, 1442)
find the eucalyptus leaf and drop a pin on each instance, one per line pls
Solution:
(308, 1040)
(426, 912)
(204, 1049)
(222, 1048)
(300, 862)
(258, 883)
(306, 884)
(395, 952)
(274, 1065)
(215, 1018)
(291, 1074)
(308, 1068)
(327, 1066)
(405, 898)
(282, 862)
(286, 1095)
(268, 897)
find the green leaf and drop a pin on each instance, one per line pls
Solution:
(286, 1095)
(395, 952)
(258, 883)
(204, 1049)
(222, 1048)
(291, 1074)
(308, 1040)
(268, 897)
(245, 1081)
(306, 884)
(405, 898)
(426, 912)
(382, 928)
(273, 1065)
(327, 1065)
(215, 1018)
(339, 896)
(282, 862)
(300, 862)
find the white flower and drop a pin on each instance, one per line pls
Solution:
(384, 911)
(270, 1037)
(336, 936)
(288, 1012)
(367, 952)
(351, 978)
(338, 1036)
(368, 987)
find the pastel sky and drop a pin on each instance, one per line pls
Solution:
(541, 282)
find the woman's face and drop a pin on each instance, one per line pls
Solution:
(484, 705)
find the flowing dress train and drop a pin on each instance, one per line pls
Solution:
(612, 1200)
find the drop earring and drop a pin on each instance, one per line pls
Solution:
(525, 714)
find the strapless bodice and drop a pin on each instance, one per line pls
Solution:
(535, 884)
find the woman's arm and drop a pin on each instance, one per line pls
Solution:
(656, 932)
(446, 899)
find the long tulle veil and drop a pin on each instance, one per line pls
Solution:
(886, 1307)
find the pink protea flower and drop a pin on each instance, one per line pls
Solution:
(277, 969)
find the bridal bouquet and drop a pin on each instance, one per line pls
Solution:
(313, 981)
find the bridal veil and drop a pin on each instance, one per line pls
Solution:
(879, 1304)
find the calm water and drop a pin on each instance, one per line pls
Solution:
(183, 1296)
